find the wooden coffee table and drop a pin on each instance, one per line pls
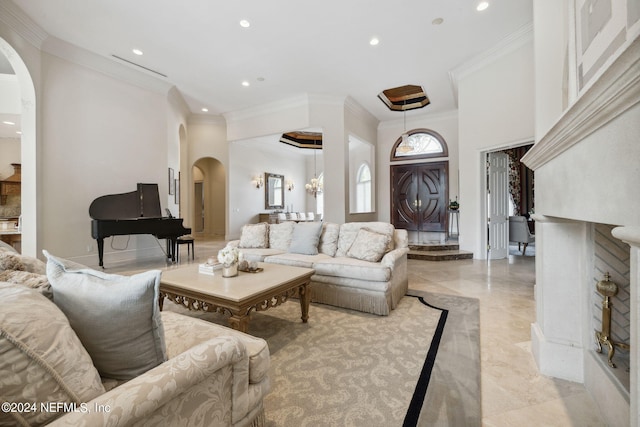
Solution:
(237, 296)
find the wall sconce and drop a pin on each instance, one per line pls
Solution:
(289, 185)
(258, 181)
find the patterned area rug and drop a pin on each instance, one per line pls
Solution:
(418, 366)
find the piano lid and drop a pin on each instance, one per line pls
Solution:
(142, 203)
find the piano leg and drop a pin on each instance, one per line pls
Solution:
(168, 241)
(100, 251)
(174, 248)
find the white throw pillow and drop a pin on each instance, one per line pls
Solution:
(305, 238)
(42, 360)
(117, 318)
(254, 236)
(280, 235)
(369, 245)
(329, 239)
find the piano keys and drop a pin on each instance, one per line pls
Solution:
(136, 212)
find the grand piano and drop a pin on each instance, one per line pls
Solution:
(136, 212)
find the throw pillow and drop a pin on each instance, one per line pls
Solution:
(369, 245)
(254, 236)
(280, 235)
(42, 358)
(305, 238)
(329, 239)
(349, 231)
(117, 318)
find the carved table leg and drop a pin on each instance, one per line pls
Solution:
(239, 323)
(161, 301)
(305, 298)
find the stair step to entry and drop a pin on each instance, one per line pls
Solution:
(438, 252)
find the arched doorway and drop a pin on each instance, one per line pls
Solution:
(209, 185)
(420, 185)
(28, 150)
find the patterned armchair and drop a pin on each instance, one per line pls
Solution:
(212, 375)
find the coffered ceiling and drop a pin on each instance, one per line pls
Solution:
(290, 46)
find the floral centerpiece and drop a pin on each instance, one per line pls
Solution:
(229, 257)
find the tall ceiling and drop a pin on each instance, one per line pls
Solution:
(291, 47)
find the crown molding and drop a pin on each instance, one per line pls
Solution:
(206, 119)
(301, 100)
(507, 45)
(18, 21)
(360, 112)
(105, 65)
(617, 90)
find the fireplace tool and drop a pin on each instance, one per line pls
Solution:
(607, 289)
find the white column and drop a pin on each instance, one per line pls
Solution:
(631, 235)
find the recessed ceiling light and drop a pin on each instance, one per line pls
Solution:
(8, 123)
(245, 24)
(482, 6)
(205, 109)
(137, 52)
(19, 132)
(374, 41)
(245, 83)
(437, 21)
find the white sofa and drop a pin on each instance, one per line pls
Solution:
(347, 271)
(211, 375)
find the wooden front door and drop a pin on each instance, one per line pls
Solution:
(419, 196)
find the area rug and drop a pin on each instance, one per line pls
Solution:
(419, 366)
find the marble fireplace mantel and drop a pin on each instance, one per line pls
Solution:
(587, 169)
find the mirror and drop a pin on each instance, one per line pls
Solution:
(273, 191)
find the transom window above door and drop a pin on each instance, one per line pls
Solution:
(419, 144)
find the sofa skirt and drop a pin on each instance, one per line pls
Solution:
(380, 303)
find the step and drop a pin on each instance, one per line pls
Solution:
(429, 247)
(439, 255)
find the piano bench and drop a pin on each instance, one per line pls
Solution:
(186, 240)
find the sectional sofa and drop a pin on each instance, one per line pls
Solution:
(358, 265)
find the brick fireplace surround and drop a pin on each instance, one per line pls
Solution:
(587, 171)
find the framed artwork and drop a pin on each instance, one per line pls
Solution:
(172, 182)
(602, 29)
(176, 186)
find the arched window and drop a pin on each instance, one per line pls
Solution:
(363, 188)
(419, 144)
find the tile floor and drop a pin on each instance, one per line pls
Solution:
(513, 392)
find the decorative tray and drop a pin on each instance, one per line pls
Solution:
(248, 270)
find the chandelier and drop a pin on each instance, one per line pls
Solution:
(314, 186)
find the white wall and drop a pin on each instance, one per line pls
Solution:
(496, 109)
(99, 136)
(551, 63)
(256, 156)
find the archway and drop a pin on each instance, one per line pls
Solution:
(209, 185)
(28, 150)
